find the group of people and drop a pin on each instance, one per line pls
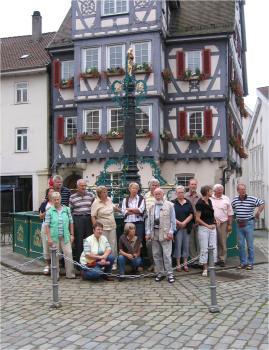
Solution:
(83, 227)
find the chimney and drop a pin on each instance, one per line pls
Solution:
(36, 26)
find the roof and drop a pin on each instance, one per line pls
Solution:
(21, 52)
(202, 17)
(63, 36)
(264, 91)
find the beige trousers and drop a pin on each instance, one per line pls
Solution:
(221, 239)
(67, 251)
(112, 239)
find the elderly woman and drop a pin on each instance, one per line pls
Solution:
(133, 208)
(129, 249)
(44, 207)
(102, 210)
(96, 255)
(161, 225)
(149, 201)
(207, 234)
(60, 231)
(184, 221)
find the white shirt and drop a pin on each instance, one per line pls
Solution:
(133, 203)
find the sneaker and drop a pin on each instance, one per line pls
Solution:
(241, 266)
(159, 277)
(140, 269)
(114, 267)
(222, 263)
(46, 270)
(249, 267)
(170, 278)
(204, 273)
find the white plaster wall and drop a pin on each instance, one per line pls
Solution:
(32, 115)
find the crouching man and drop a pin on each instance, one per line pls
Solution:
(96, 255)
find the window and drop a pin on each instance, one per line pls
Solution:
(115, 56)
(71, 127)
(183, 180)
(91, 59)
(116, 120)
(21, 140)
(112, 7)
(193, 61)
(143, 119)
(195, 123)
(21, 92)
(92, 122)
(67, 70)
(142, 52)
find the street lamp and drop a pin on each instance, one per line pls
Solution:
(127, 94)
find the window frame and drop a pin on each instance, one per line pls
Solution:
(19, 136)
(83, 65)
(62, 70)
(84, 128)
(150, 115)
(115, 12)
(27, 92)
(109, 119)
(148, 42)
(187, 177)
(108, 55)
(186, 59)
(65, 126)
(202, 121)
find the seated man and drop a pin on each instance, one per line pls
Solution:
(96, 255)
(129, 250)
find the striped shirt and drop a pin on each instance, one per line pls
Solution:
(244, 209)
(81, 205)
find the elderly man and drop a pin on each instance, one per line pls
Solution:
(244, 206)
(161, 225)
(64, 191)
(193, 197)
(80, 204)
(223, 213)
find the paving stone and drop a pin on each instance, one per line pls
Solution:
(238, 344)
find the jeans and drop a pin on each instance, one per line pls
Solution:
(122, 260)
(99, 270)
(246, 233)
(182, 241)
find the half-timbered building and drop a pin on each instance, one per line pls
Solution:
(192, 56)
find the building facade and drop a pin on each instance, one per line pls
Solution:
(192, 56)
(25, 108)
(256, 166)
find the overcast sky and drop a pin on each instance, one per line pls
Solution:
(15, 19)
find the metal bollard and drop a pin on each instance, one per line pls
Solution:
(54, 276)
(213, 308)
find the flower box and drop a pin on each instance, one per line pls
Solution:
(202, 139)
(145, 134)
(166, 135)
(94, 75)
(143, 68)
(67, 84)
(114, 72)
(167, 76)
(70, 141)
(189, 75)
(86, 136)
(114, 135)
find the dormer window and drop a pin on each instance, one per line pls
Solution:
(114, 7)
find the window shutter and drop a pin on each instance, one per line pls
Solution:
(60, 129)
(180, 64)
(206, 63)
(57, 73)
(208, 123)
(182, 124)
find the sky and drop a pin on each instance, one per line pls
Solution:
(15, 19)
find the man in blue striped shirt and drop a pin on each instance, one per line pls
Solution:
(244, 206)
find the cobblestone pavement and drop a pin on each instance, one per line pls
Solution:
(136, 314)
